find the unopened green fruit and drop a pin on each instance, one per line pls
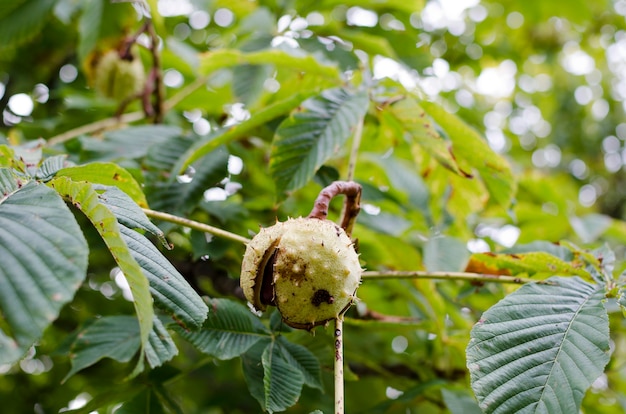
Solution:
(306, 267)
(119, 78)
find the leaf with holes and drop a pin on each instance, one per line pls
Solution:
(313, 134)
(43, 257)
(539, 349)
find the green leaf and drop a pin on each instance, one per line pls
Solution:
(107, 173)
(127, 143)
(249, 81)
(622, 300)
(117, 337)
(369, 43)
(10, 182)
(224, 58)
(406, 116)
(229, 331)
(253, 369)
(539, 349)
(24, 22)
(445, 254)
(313, 134)
(7, 156)
(44, 259)
(232, 133)
(29, 155)
(160, 347)
(590, 227)
(145, 402)
(282, 381)
(169, 288)
(301, 358)
(89, 27)
(182, 197)
(50, 166)
(382, 6)
(460, 402)
(539, 265)
(83, 196)
(127, 211)
(468, 145)
(110, 396)
(404, 177)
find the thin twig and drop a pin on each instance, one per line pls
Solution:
(472, 277)
(196, 225)
(339, 393)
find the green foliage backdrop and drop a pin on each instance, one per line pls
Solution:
(489, 140)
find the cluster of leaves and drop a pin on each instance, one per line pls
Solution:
(73, 219)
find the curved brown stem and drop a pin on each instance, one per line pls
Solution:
(352, 205)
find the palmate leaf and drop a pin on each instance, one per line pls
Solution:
(84, 197)
(229, 331)
(313, 134)
(24, 22)
(539, 349)
(43, 257)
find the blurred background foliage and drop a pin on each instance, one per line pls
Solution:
(543, 82)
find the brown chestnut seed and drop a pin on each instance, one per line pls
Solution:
(306, 267)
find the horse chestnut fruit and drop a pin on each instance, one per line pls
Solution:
(119, 78)
(306, 267)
